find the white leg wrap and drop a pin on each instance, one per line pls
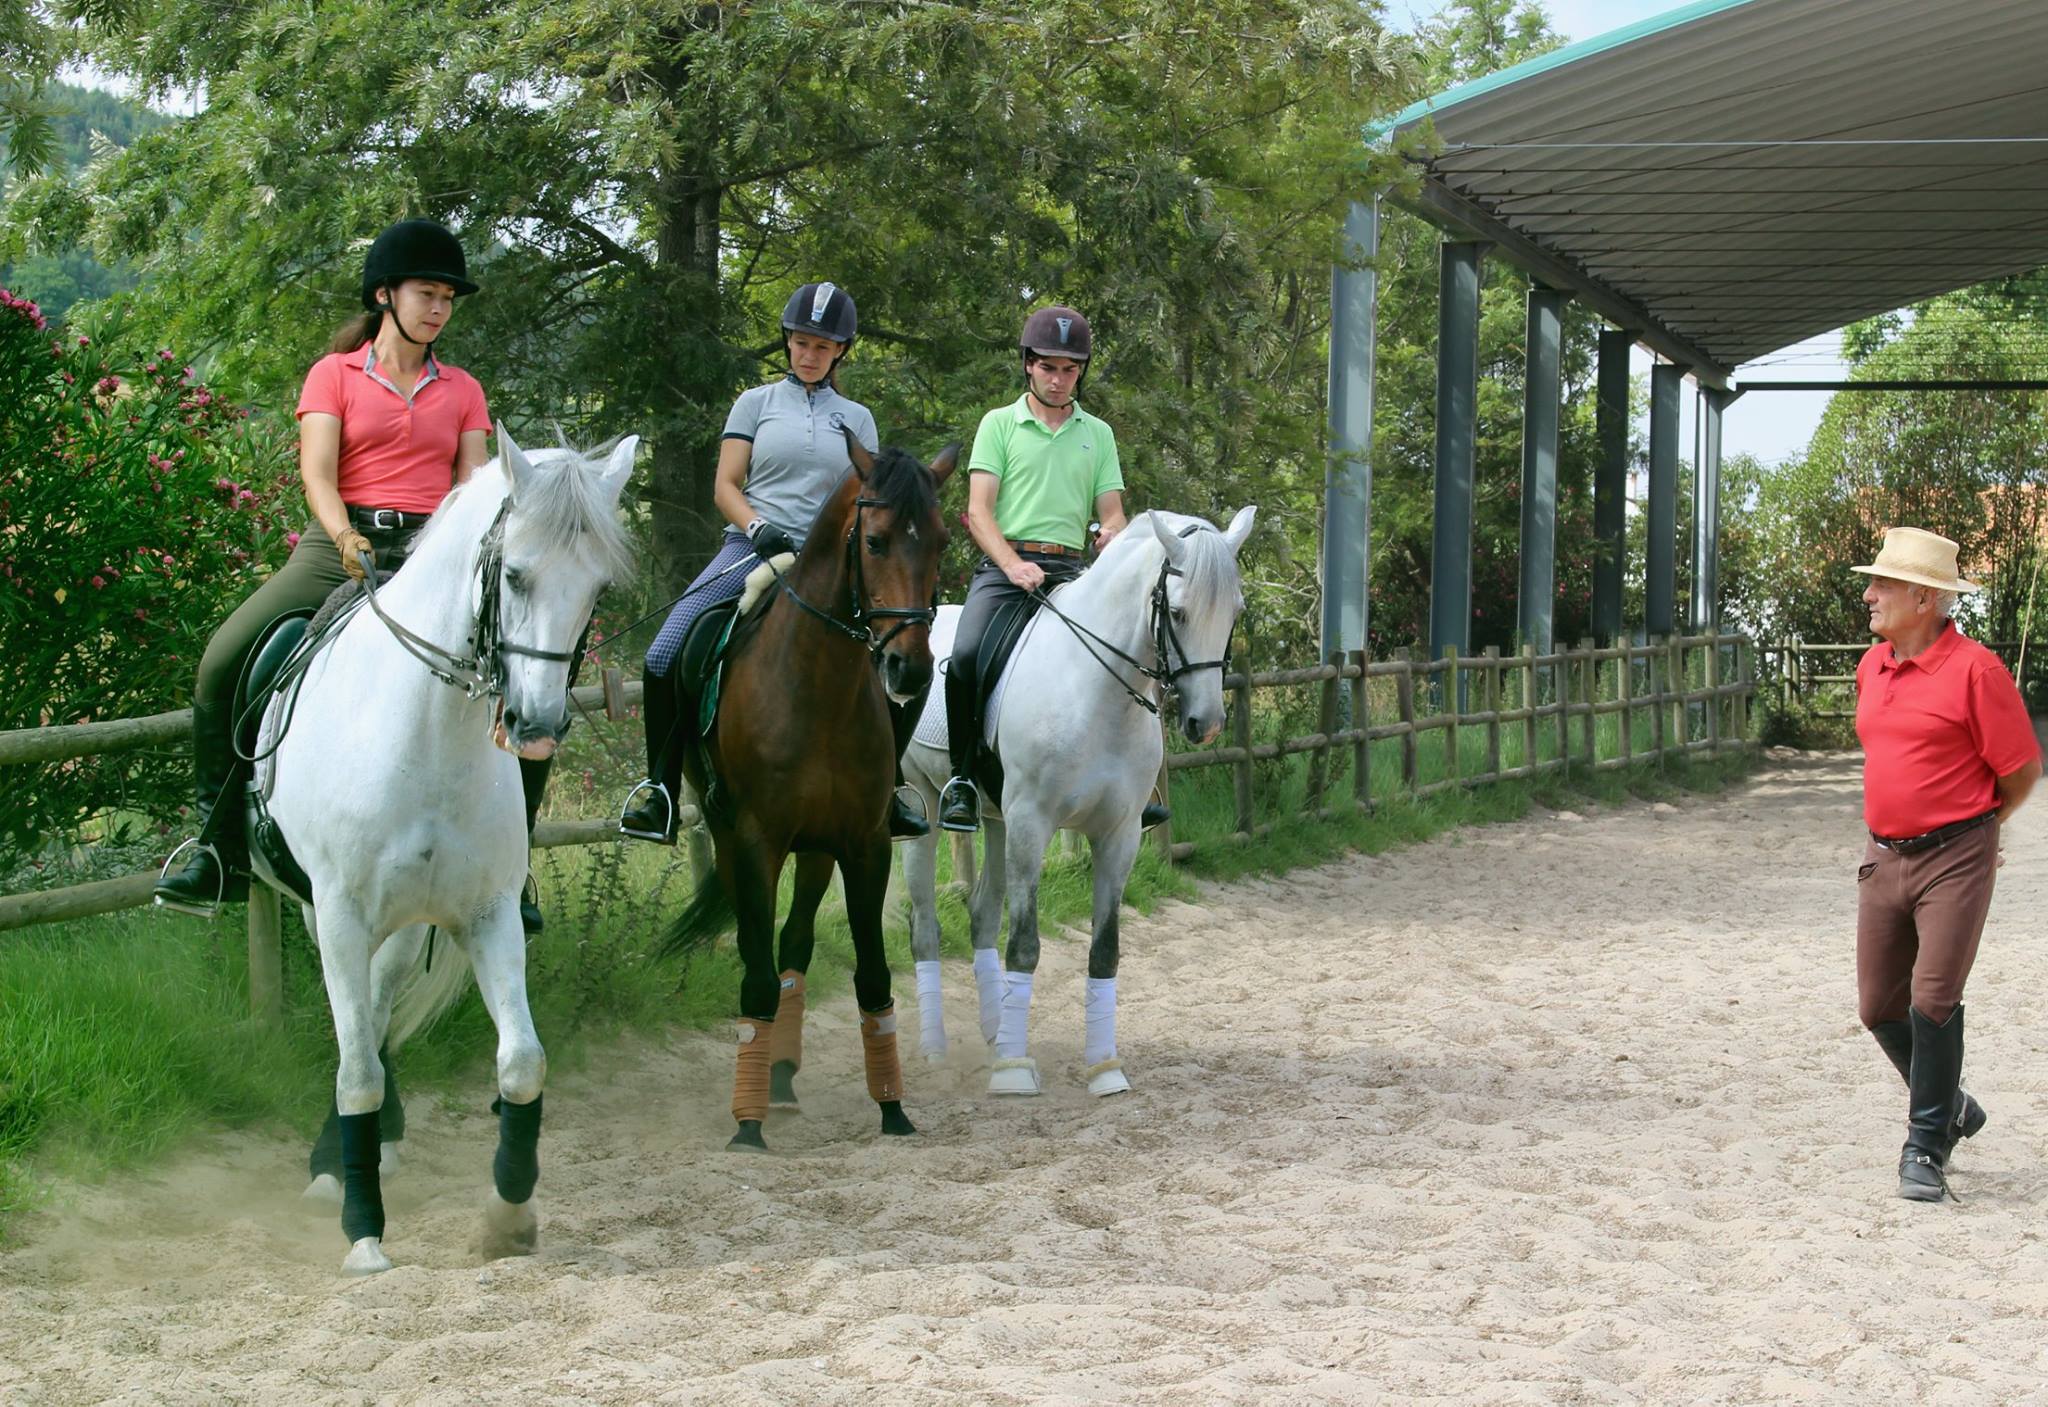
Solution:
(1100, 1042)
(931, 1018)
(1012, 1035)
(988, 981)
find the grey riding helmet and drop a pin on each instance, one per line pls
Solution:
(1058, 331)
(823, 310)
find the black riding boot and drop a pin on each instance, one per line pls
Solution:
(960, 803)
(653, 817)
(1895, 1039)
(1933, 1082)
(904, 823)
(216, 867)
(533, 780)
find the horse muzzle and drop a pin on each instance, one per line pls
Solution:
(519, 737)
(906, 676)
(1199, 730)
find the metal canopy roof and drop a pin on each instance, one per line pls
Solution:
(1737, 175)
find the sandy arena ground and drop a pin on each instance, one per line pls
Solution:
(1562, 1111)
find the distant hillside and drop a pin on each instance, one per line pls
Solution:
(58, 281)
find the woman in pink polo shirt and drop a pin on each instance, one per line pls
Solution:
(385, 430)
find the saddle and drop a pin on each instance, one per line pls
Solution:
(699, 675)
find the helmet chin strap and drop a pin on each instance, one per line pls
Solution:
(390, 305)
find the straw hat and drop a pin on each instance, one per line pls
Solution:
(1918, 556)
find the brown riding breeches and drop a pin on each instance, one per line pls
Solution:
(1918, 920)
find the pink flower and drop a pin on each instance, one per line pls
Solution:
(107, 385)
(141, 614)
(99, 583)
(292, 538)
(85, 341)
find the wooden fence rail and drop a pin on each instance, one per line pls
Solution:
(1695, 689)
(1822, 675)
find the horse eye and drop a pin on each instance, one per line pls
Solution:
(1180, 617)
(878, 546)
(515, 578)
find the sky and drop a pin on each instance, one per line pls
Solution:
(1769, 426)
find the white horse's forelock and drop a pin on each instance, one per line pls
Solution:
(564, 508)
(1209, 581)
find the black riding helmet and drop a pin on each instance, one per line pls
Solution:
(413, 249)
(1058, 331)
(823, 310)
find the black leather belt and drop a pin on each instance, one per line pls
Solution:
(386, 520)
(1912, 844)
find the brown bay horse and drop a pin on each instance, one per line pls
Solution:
(805, 763)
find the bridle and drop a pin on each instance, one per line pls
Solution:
(1166, 642)
(861, 629)
(481, 672)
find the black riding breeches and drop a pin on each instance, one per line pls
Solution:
(987, 593)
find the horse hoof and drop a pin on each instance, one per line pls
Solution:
(510, 1228)
(1018, 1076)
(895, 1122)
(387, 1160)
(323, 1191)
(782, 1086)
(366, 1257)
(1107, 1079)
(748, 1139)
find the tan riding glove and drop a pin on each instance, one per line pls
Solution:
(351, 542)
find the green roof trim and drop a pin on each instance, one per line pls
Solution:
(1543, 63)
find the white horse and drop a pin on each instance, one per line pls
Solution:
(397, 789)
(1075, 724)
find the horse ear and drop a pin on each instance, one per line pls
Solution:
(863, 462)
(518, 468)
(944, 463)
(1176, 549)
(1241, 526)
(620, 467)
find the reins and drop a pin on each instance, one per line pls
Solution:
(1166, 641)
(859, 630)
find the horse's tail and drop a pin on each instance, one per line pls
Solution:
(707, 916)
(439, 977)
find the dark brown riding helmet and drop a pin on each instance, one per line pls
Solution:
(1057, 331)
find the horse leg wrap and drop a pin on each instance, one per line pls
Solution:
(988, 981)
(1013, 1034)
(516, 1166)
(878, 1052)
(1099, 1043)
(326, 1154)
(786, 1043)
(931, 1015)
(362, 1198)
(750, 1078)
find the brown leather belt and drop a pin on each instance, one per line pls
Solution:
(1047, 549)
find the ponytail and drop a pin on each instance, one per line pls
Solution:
(356, 331)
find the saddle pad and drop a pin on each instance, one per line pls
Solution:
(761, 580)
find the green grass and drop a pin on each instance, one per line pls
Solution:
(121, 1035)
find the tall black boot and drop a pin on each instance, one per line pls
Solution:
(533, 780)
(1895, 1039)
(651, 812)
(1932, 1083)
(960, 803)
(904, 823)
(216, 866)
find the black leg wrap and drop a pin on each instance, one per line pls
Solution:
(362, 1197)
(516, 1168)
(326, 1154)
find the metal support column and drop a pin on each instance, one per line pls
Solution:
(1706, 512)
(1660, 575)
(1610, 484)
(1457, 392)
(1542, 389)
(1347, 478)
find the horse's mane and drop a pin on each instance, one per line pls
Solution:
(564, 507)
(903, 485)
(1210, 580)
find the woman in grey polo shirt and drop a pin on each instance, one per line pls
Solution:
(782, 457)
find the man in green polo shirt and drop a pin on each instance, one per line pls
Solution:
(1041, 468)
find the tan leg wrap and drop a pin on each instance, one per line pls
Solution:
(878, 1051)
(788, 1042)
(750, 1078)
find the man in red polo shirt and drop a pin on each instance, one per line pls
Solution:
(1948, 755)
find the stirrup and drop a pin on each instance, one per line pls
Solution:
(974, 794)
(1164, 814)
(220, 893)
(923, 811)
(660, 789)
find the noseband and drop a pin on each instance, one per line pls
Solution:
(860, 629)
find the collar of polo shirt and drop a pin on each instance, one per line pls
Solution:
(1930, 659)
